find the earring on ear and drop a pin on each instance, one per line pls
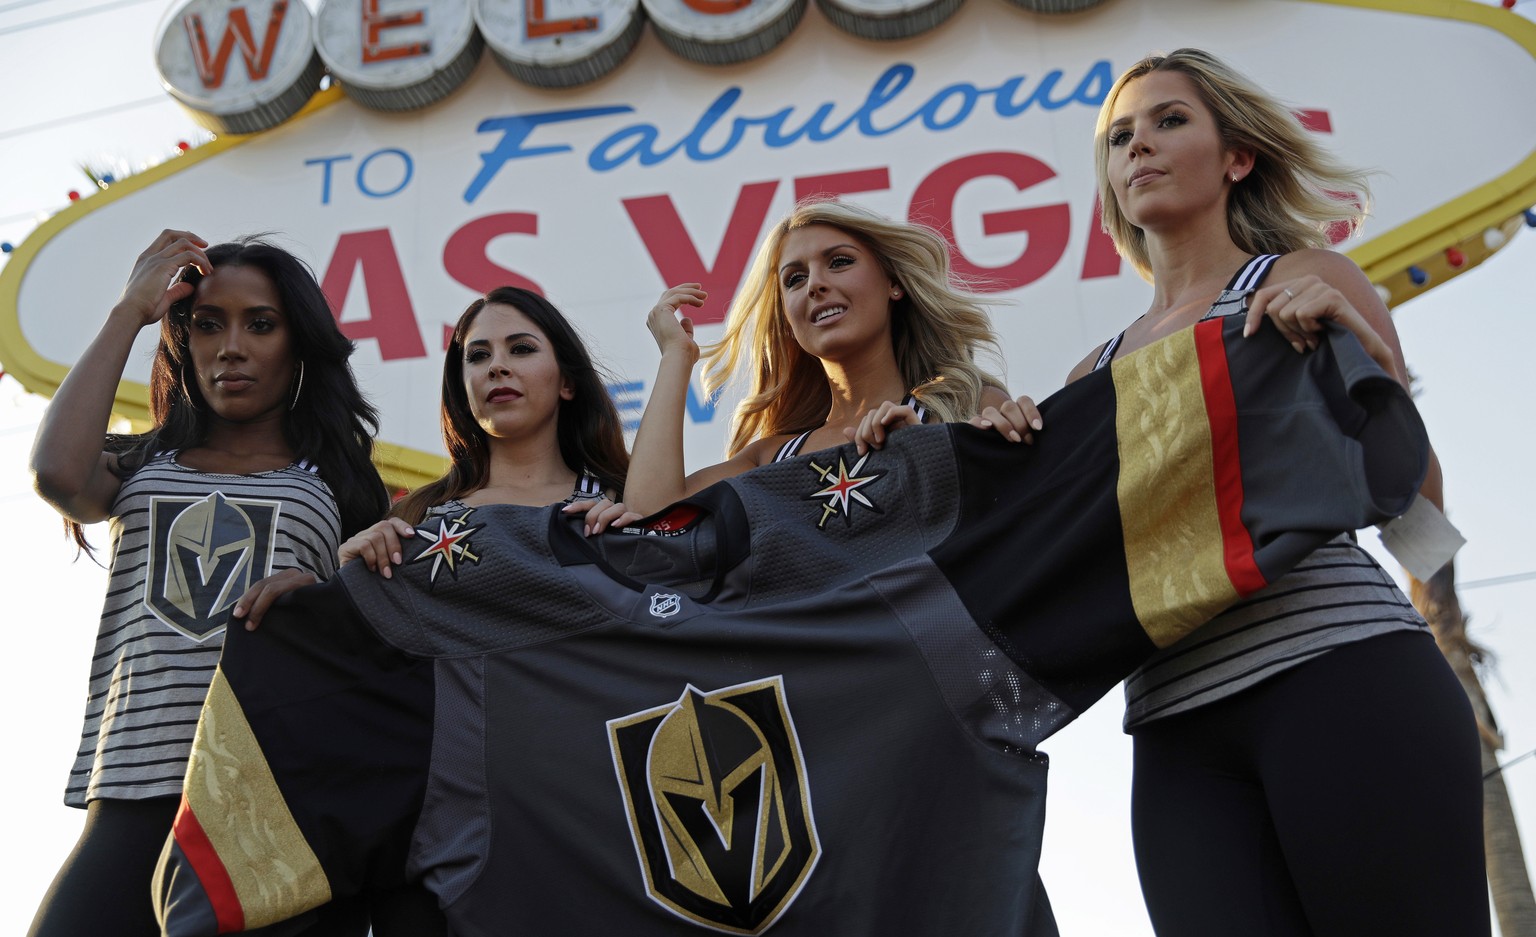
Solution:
(298, 387)
(1234, 177)
(896, 293)
(187, 394)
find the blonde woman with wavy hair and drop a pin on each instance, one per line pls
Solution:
(847, 324)
(1282, 782)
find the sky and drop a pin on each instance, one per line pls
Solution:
(78, 80)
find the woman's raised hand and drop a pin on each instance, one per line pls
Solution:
(154, 285)
(674, 333)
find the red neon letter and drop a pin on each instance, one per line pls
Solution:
(1047, 226)
(374, 23)
(717, 7)
(465, 259)
(538, 27)
(391, 320)
(211, 69)
(677, 259)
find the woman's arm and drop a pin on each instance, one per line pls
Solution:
(69, 469)
(656, 477)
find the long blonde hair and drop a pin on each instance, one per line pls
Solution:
(936, 329)
(1289, 199)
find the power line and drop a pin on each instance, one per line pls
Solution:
(62, 17)
(86, 115)
(1506, 764)
(1497, 580)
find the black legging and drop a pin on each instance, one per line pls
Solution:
(1342, 797)
(103, 888)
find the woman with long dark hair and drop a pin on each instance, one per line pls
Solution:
(526, 419)
(258, 462)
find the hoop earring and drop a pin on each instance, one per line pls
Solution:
(297, 388)
(186, 394)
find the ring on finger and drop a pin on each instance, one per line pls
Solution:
(1287, 291)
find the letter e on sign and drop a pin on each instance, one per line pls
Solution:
(397, 55)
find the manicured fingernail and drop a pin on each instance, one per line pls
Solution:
(239, 611)
(986, 424)
(1299, 347)
(1013, 434)
(586, 530)
(1037, 424)
(385, 572)
(250, 626)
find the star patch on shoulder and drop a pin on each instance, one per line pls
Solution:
(842, 489)
(449, 546)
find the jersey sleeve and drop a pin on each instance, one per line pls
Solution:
(307, 772)
(1186, 476)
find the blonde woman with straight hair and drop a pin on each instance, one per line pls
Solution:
(1306, 763)
(847, 324)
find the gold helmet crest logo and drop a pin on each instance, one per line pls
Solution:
(203, 554)
(718, 804)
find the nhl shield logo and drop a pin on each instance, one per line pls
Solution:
(203, 554)
(719, 808)
(665, 605)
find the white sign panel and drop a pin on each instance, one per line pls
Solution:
(669, 171)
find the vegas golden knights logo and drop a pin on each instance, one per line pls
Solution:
(718, 804)
(203, 554)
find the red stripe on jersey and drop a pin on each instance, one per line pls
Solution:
(1226, 462)
(209, 869)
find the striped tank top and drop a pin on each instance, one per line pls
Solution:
(185, 545)
(1336, 596)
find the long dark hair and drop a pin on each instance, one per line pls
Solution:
(590, 435)
(331, 425)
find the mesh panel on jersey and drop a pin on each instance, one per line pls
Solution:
(990, 694)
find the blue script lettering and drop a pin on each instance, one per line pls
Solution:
(514, 130)
(716, 132)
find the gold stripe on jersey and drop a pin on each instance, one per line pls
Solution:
(1167, 491)
(231, 791)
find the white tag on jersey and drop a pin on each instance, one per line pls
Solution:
(1423, 539)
